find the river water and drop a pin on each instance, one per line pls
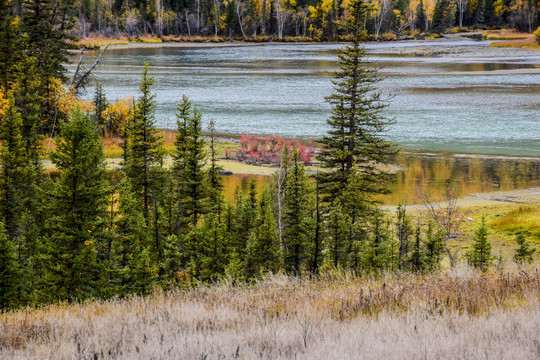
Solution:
(471, 104)
(464, 103)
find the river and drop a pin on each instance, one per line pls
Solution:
(448, 96)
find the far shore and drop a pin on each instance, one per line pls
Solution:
(424, 47)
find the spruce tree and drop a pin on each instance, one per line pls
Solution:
(215, 182)
(46, 26)
(480, 255)
(145, 147)
(243, 216)
(337, 235)
(434, 247)
(263, 253)
(101, 104)
(12, 166)
(214, 247)
(10, 47)
(28, 101)
(297, 221)
(130, 266)
(420, 16)
(9, 273)
(356, 124)
(189, 163)
(417, 261)
(77, 210)
(404, 231)
(524, 253)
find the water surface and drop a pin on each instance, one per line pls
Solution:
(473, 104)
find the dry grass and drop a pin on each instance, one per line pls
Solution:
(514, 39)
(455, 315)
(505, 34)
(524, 219)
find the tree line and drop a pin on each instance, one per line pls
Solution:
(270, 19)
(86, 232)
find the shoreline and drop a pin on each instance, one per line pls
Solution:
(406, 47)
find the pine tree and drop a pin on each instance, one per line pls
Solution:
(9, 273)
(145, 147)
(297, 220)
(317, 248)
(404, 231)
(355, 138)
(215, 182)
(417, 261)
(434, 248)
(337, 231)
(28, 101)
(243, 216)
(421, 16)
(443, 16)
(12, 165)
(101, 104)
(263, 248)
(524, 253)
(214, 247)
(77, 209)
(189, 163)
(480, 255)
(46, 25)
(130, 265)
(10, 47)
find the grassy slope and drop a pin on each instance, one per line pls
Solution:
(461, 314)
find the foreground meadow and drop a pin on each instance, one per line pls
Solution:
(457, 314)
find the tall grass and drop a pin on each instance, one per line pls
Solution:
(460, 314)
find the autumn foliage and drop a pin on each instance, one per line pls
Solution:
(255, 149)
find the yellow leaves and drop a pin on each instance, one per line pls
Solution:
(3, 102)
(66, 100)
(118, 115)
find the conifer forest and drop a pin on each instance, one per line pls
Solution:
(164, 262)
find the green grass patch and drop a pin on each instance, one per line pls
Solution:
(524, 219)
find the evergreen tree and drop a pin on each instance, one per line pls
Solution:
(337, 231)
(46, 25)
(215, 246)
(244, 214)
(404, 231)
(9, 273)
(480, 255)
(145, 147)
(434, 247)
(355, 138)
(443, 16)
(101, 104)
(189, 163)
(263, 247)
(12, 165)
(417, 261)
(10, 47)
(524, 253)
(421, 16)
(28, 101)
(297, 221)
(77, 209)
(215, 182)
(130, 266)
(317, 248)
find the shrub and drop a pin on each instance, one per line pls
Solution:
(255, 149)
(537, 35)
